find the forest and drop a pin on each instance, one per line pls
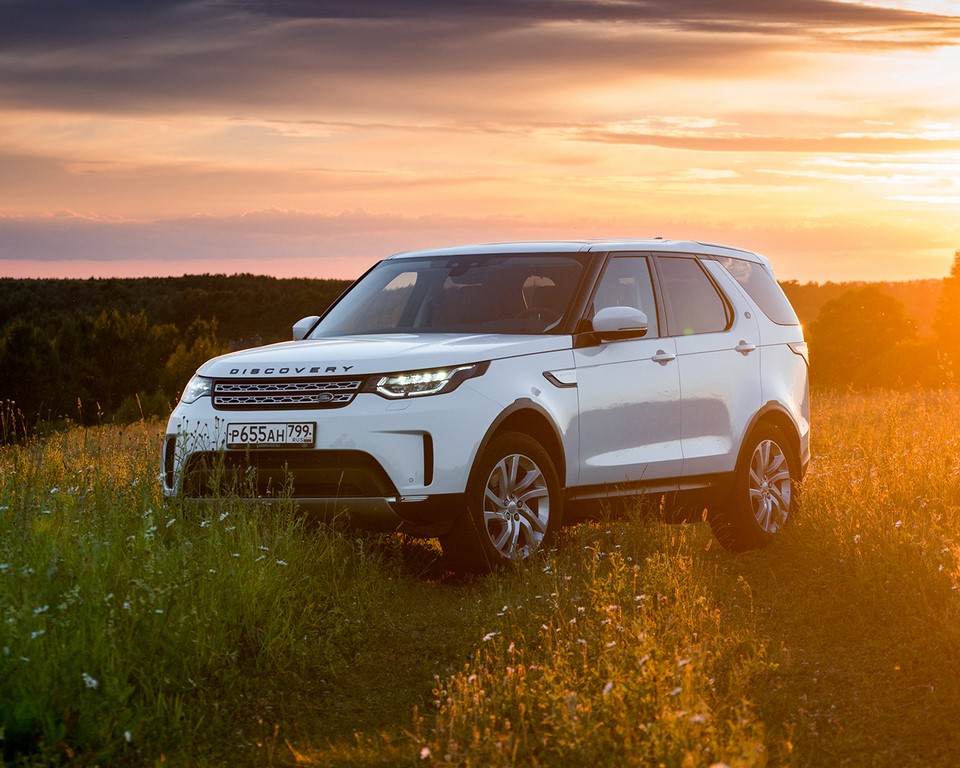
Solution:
(102, 350)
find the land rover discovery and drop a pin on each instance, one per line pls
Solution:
(476, 393)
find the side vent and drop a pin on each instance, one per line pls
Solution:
(427, 459)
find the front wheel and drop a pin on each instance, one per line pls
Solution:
(513, 508)
(765, 493)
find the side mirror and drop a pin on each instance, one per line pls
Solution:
(612, 323)
(302, 327)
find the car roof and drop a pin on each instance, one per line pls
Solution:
(589, 246)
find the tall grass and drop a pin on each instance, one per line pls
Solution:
(133, 631)
(134, 628)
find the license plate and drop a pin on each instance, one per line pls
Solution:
(298, 433)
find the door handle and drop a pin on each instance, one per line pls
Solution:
(663, 357)
(745, 348)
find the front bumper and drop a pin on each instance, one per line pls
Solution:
(386, 465)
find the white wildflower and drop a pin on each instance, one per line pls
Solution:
(607, 688)
(489, 636)
(41, 609)
(89, 681)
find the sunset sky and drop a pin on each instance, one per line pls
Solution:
(299, 138)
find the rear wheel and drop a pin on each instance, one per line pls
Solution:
(765, 493)
(513, 508)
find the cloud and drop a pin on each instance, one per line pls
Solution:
(160, 56)
(295, 243)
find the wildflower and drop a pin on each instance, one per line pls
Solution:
(36, 633)
(127, 736)
(898, 525)
(126, 605)
(262, 557)
(89, 681)
(489, 636)
(224, 516)
(425, 753)
(205, 524)
(41, 609)
(281, 562)
(611, 644)
(171, 521)
(676, 691)
(608, 687)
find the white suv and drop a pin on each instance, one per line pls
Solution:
(476, 393)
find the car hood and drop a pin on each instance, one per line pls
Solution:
(375, 354)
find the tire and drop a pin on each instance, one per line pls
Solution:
(513, 506)
(765, 493)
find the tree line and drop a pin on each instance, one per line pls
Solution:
(105, 349)
(102, 349)
(867, 338)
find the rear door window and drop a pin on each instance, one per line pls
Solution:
(694, 303)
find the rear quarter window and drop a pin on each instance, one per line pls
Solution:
(760, 285)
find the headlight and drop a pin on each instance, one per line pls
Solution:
(429, 382)
(197, 387)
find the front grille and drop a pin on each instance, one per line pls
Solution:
(265, 393)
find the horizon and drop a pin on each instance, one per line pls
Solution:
(313, 139)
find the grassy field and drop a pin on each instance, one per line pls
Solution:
(136, 633)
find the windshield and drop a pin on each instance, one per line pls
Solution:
(458, 294)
